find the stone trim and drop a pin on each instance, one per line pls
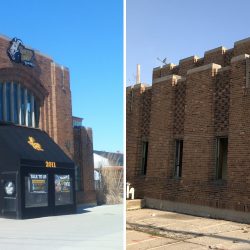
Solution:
(204, 67)
(239, 58)
(221, 48)
(166, 78)
(198, 210)
(246, 40)
(190, 58)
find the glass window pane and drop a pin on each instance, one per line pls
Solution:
(1, 101)
(15, 103)
(8, 102)
(28, 109)
(37, 113)
(22, 107)
(63, 190)
(36, 190)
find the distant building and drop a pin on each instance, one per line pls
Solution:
(103, 158)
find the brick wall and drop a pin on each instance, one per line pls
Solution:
(83, 157)
(197, 100)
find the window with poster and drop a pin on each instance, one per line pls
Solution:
(36, 190)
(63, 190)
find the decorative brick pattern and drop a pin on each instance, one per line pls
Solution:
(146, 110)
(179, 108)
(222, 102)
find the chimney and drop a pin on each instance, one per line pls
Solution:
(138, 74)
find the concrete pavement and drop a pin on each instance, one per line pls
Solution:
(160, 230)
(93, 228)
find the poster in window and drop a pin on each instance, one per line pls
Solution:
(38, 183)
(62, 183)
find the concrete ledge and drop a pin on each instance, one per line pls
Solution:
(211, 66)
(246, 40)
(224, 69)
(169, 65)
(190, 58)
(203, 211)
(157, 68)
(166, 78)
(239, 58)
(183, 79)
(221, 48)
(140, 85)
(135, 204)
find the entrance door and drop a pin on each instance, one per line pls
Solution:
(47, 191)
(8, 194)
(64, 181)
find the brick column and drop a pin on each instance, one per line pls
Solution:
(239, 135)
(199, 142)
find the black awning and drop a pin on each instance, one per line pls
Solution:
(17, 142)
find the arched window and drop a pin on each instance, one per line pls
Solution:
(18, 105)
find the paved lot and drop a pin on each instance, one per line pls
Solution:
(160, 230)
(94, 229)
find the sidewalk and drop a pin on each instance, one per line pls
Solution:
(93, 228)
(160, 230)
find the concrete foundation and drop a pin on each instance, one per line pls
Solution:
(203, 211)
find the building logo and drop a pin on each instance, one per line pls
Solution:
(19, 54)
(35, 144)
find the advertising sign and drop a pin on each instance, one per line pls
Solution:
(62, 183)
(38, 183)
(19, 54)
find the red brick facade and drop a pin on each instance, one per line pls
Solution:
(83, 155)
(50, 84)
(197, 101)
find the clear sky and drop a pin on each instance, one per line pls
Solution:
(176, 29)
(87, 37)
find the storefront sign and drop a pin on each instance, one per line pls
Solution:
(38, 183)
(9, 188)
(35, 144)
(19, 54)
(50, 164)
(62, 183)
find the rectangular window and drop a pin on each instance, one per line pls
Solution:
(63, 190)
(15, 103)
(221, 158)
(36, 190)
(178, 158)
(1, 101)
(23, 108)
(8, 102)
(28, 109)
(144, 157)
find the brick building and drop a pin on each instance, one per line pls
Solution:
(188, 146)
(84, 160)
(35, 94)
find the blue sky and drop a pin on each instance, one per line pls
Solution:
(176, 29)
(87, 37)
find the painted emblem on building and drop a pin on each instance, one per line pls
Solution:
(35, 144)
(19, 54)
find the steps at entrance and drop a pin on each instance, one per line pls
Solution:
(135, 204)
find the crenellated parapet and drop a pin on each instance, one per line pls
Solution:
(221, 56)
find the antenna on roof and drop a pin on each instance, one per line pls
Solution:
(164, 61)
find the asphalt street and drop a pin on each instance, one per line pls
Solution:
(93, 228)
